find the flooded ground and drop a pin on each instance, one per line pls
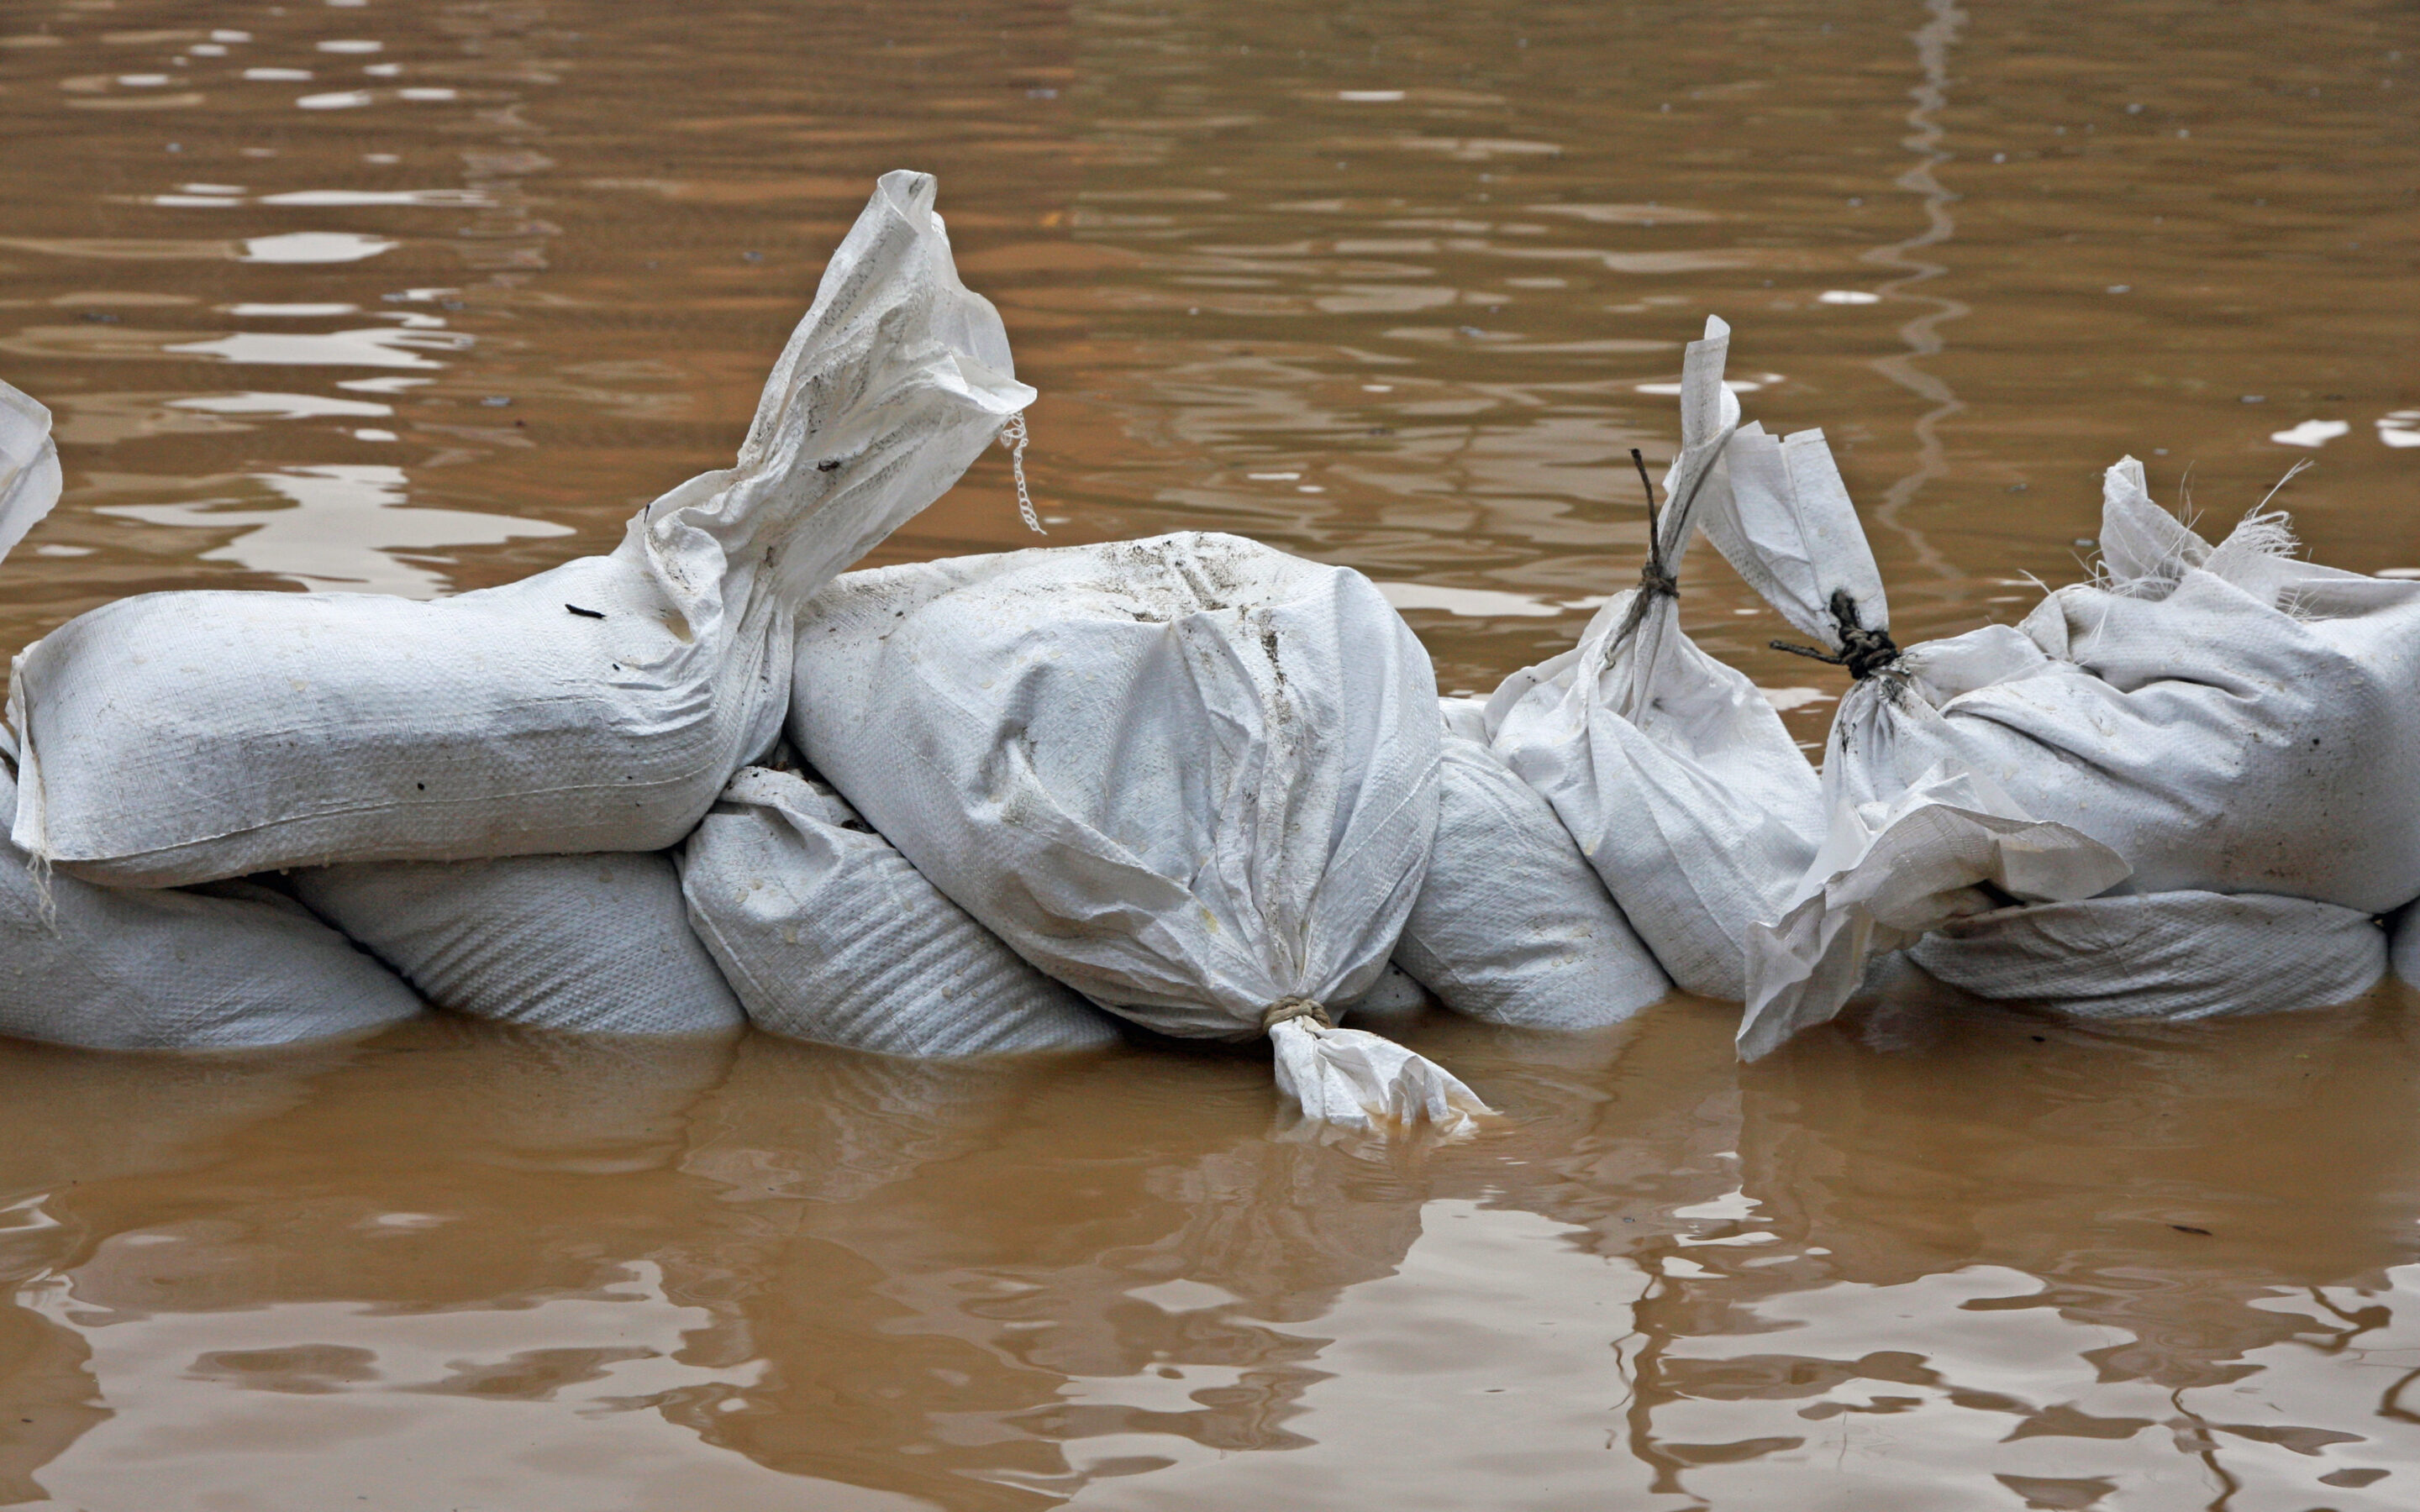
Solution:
(420, 297)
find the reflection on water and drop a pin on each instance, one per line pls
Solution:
(423, 299)
(1935, 1256)
(1922, 331)
(341, 525)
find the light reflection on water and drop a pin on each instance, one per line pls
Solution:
(1917, 1266)
(337, 526)
(1398, 287)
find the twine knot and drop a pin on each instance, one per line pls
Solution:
(1863, 651)
(1867, 652)
(1285, 1009)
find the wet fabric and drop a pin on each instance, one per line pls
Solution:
(1512, 925)
(1192, 778)
(1669, 768)
(2173, 956)
(2227, 718)
(2403, 944)
(30, 480)
(2199, 718)
(599, 943)
(827, 934)
(172, 738)
(113, 968)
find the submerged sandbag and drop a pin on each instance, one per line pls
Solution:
(1670, 769)
(1396, 994)
(2225, 717)
(30, 480)
(238, 966)
(1949, 845)
(1511, 926)
(2222, 719)
(2403, 944)
(827, 934)
(597, 943)
(173, 738)
(1193, 778)
(2173, 956)
(111, 968)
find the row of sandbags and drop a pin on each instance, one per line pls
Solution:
(1193, 781)
(2187, 788)
(965, 806)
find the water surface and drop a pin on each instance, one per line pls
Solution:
(417, 296)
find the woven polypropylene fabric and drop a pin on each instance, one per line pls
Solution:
(1189, 776)
(1670, 769)
(1192, 778)
(134, 969)
(173, 738)
(2229, 719)
(2199, 719)
(597, 943)
(29, 465)
(828, 935)
(1512, 925)
(2175, 956)
(2403, 944)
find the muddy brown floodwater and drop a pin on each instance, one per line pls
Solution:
(417, 296)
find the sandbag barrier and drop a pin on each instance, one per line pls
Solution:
(999, 802)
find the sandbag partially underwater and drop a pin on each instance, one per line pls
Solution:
(119, 969)
(1192, 778)
(1670, 769)
(2175, 956)
(2403, 944)
(1511, 926)
(827, 934)
(173, 738)
(112, 969)
(2200, 721)
(599, 943)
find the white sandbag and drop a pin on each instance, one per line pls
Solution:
(1511, 926)
(828, 935)
(2172, 956)
(176, 737)
(1670, 769)
(29, 466)
(1943, 844)
(2226, 719)
(1192, 778)
(2404, 943)
(1396, 994)
(597, 943)
(113, 968)
(1950, 845)
(2222, 719)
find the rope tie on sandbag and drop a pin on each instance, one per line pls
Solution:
(1653, 576)
(1863, 651)
(1656, 579)
(1013, 437)
(1286, 1010)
